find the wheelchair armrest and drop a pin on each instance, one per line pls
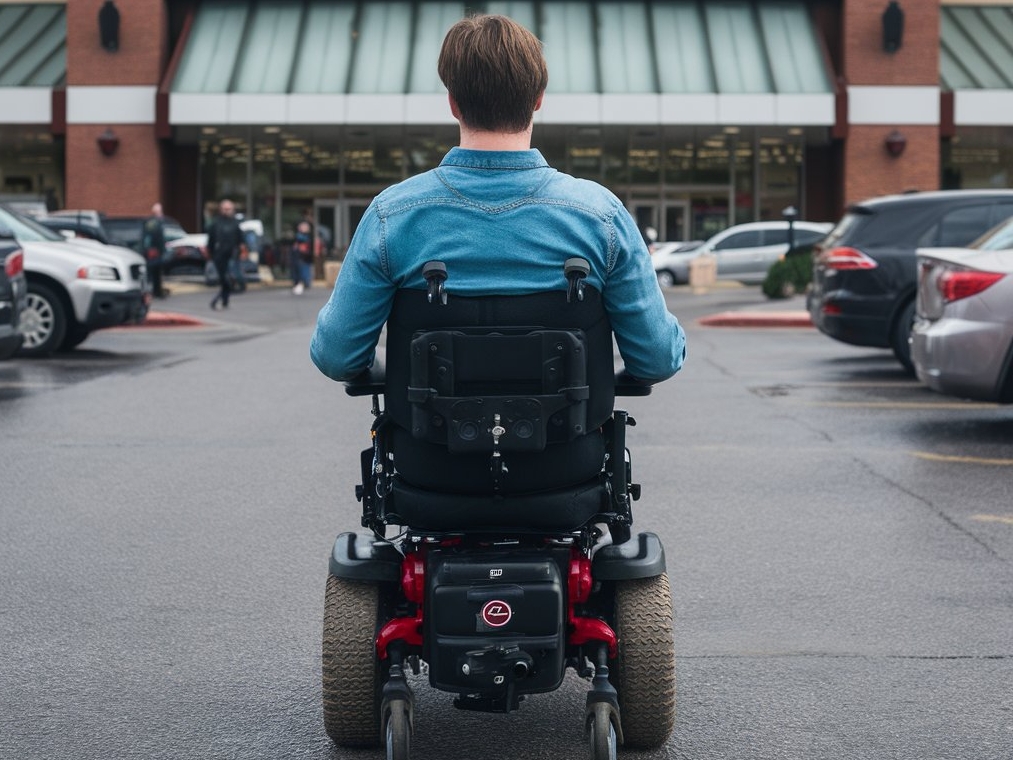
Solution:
(627, 385)
(369, 382)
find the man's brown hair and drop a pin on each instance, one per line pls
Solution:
(495, 71)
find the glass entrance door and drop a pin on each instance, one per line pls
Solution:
(668, 219)
(336, 221)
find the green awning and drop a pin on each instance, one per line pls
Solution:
(976, 47)
(733, 47)
(33, 45)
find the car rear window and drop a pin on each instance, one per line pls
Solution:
(957, 227)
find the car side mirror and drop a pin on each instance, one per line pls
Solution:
(68, 234)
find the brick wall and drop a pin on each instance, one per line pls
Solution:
(871, 171)
(130, 181)
(868, 169)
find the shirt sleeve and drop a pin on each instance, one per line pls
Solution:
(651, 341)
(349, 325)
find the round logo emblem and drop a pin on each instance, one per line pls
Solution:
(496, 614)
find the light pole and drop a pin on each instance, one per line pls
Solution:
(790, 214)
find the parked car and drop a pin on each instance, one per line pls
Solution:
(125, 231)
(671, 261)
(865, 272)
(745, 252)
(962, 339)
(13, 292)
(83, 226)
(74, 286)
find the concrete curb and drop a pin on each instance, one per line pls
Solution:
(757, 319)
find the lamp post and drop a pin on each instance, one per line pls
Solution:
(790, 214)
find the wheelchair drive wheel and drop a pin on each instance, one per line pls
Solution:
(351, 677)
(644, 670)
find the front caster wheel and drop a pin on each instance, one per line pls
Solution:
(602, 734)
(398, 733)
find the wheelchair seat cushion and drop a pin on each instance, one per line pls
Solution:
(430, 466)
(564, 510)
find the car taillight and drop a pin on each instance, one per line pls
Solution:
(961, 283)
(846, 258)
(14, 264)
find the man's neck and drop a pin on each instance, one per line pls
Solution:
(473, 139)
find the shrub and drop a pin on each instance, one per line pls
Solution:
(791, 275)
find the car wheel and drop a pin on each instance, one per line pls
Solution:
(43, 322)
(666, 279)
(76, 335)
(901, 338)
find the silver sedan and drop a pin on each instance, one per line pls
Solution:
(962, 340)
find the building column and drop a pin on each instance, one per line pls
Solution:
(893, 140)
(112, 93)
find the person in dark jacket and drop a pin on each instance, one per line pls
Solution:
(153, 244)
(225, 241)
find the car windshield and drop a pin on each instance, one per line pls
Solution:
(27, 230)
(997, 239)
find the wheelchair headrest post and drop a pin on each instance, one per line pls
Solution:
(576, 270)
(435, 274)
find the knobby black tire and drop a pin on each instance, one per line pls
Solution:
(350, 675)
(644, 670)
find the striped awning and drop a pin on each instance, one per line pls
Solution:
(976, 62)
(33, 60)
(336, 61)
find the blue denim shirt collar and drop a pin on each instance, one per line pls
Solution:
(494, 159)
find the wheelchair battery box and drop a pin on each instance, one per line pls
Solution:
(496, 621)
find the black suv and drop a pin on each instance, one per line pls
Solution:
(13, 290)
(865, 271)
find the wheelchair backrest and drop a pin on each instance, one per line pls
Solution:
(536, 367)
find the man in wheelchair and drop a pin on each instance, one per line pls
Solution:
(496, 451)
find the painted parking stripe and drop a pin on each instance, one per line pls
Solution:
(962, 459)
(964, 405)
(1005, 519)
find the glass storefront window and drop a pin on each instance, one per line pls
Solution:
(978, 158)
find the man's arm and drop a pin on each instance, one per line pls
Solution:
(650, 338)
(349, 325)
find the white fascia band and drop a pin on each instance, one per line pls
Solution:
(111, 104)
(889, 105)
(26, 105)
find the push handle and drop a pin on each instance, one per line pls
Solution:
(576, 270)
(435, 274)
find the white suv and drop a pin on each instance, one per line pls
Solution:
(746, 251)
(74, 286)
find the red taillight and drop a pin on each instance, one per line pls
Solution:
(955, 285)
(14, 264)
(846, 258)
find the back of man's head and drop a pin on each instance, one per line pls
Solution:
(495, 71)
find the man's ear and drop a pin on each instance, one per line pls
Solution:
(538, 103)
(454, 110)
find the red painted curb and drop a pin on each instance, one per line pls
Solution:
(757, 319)
(168, 319)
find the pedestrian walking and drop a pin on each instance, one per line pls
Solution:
(303, 248)
(225, 243)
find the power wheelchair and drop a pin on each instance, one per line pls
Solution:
(499, 455)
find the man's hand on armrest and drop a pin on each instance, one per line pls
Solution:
(368, 382)
(628, 385)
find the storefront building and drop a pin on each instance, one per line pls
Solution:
(697, 114)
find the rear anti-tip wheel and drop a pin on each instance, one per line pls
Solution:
(644, 669)
(603, 742)
(351, 676)
(398, 731)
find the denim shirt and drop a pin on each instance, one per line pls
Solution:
(503, 222)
